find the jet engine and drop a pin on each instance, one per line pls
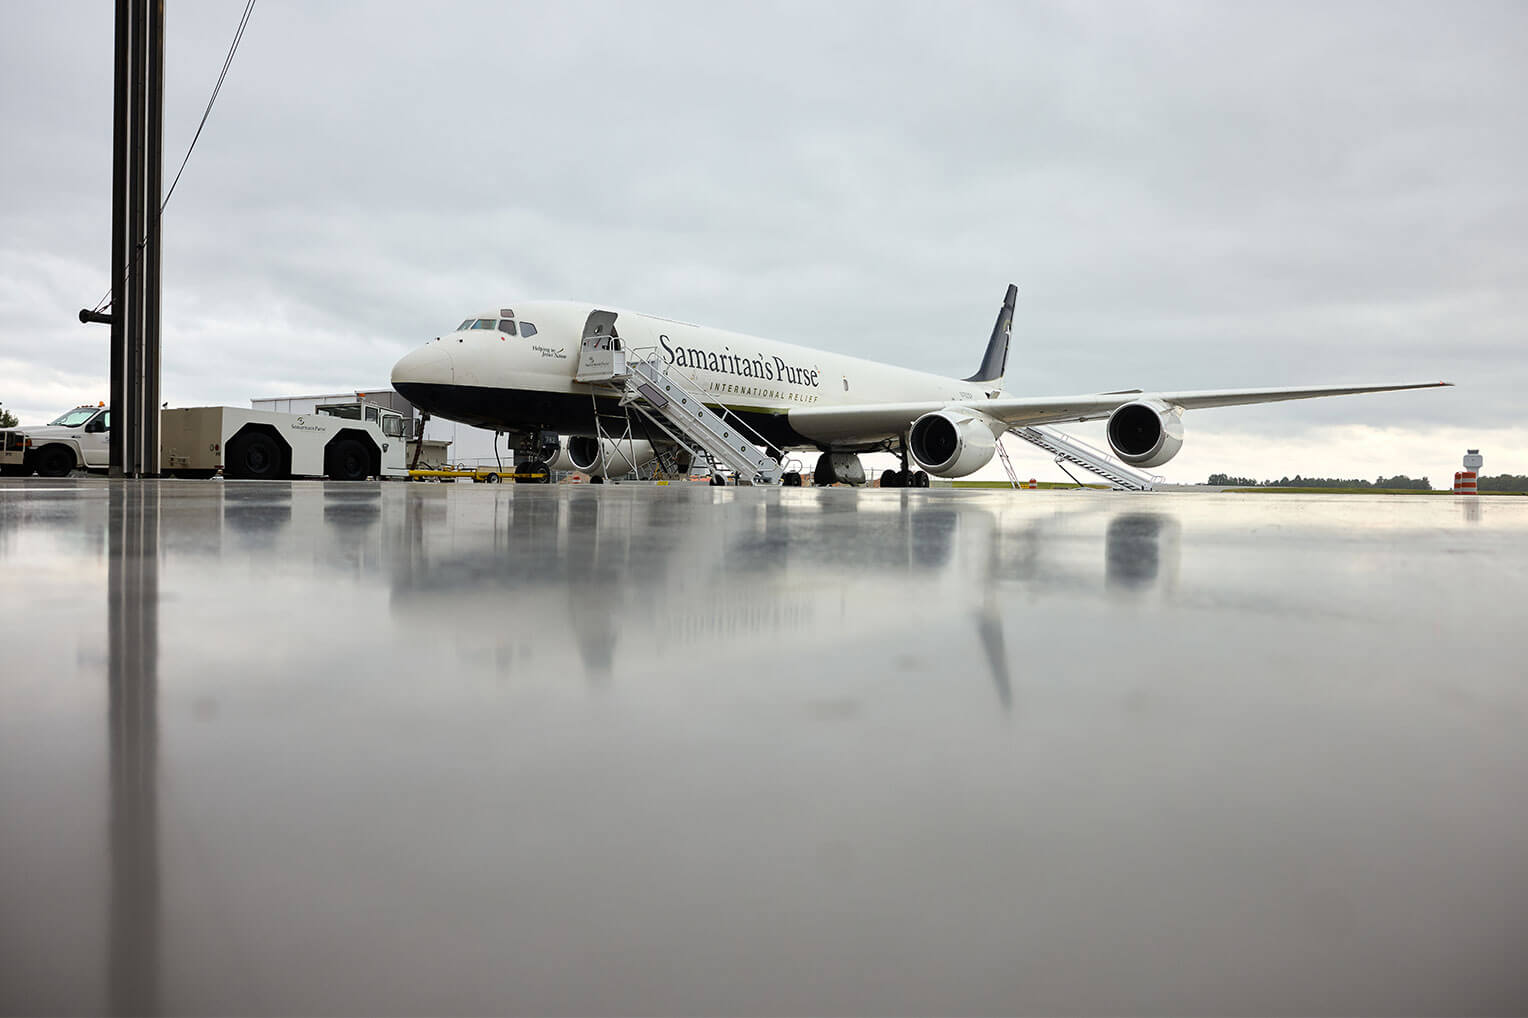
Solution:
(1146, 433)
(602, 457)
(954, 442)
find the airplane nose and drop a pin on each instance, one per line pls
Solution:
(429, 365)
(419, 376)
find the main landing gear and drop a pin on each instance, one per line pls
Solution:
(904, 479)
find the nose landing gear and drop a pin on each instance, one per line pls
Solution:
(534, 472)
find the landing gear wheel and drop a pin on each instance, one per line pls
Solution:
(920, 480)
(891, 479)
(54, 461)
(534, 472)
(346, 460)
(253, 456)
(596, 479)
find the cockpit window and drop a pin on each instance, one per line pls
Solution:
(74, 418)
(465, 325)
(527, 329)
(485, 323)
(507, 325)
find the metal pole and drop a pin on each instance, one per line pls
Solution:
(153, 192)
(131, 415)
(120, 244)
(137, 182)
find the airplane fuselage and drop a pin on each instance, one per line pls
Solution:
(488, 378)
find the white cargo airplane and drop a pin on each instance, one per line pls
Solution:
(514, 372)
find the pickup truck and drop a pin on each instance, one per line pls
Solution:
(78, 438)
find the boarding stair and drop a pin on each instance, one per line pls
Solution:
(1067, 449)
(677, 408)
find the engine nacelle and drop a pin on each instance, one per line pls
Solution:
(954, 442)
(1146, 433)
(602, 457)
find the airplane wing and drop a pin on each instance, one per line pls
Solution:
(873, 422)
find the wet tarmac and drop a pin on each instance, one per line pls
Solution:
(328, 748)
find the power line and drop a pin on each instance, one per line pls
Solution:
(233, 48)
(227, 62)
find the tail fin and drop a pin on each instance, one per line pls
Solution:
(995, 363)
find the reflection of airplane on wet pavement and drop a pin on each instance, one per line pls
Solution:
(628, 387)
(624, 584)
(621, 582)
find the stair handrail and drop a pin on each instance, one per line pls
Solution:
(1063, 439)
(650, 355)
(676, 432)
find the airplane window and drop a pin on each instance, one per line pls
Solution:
(485, 323)
(507, 325)
(465, 325)
(527, 329)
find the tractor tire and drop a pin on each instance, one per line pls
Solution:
(254, 456)
(347, 460)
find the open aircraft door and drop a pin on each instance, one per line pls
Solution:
(601, 354)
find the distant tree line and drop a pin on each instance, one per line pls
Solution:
(1399, 481)
(1503, 482)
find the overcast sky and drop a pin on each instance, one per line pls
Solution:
(1187, 195)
